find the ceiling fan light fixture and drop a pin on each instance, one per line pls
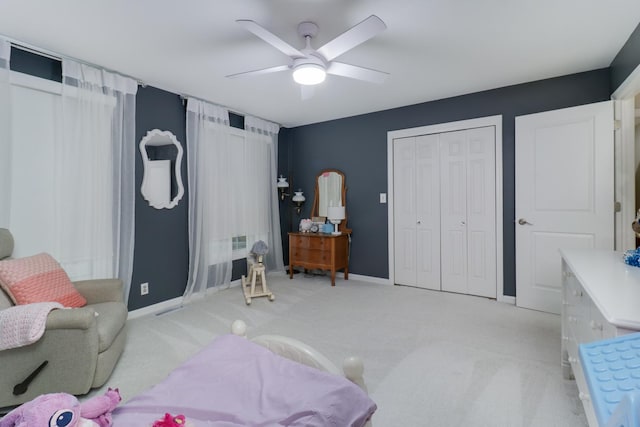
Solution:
(309, 74)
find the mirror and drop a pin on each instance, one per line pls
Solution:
(330, 191)
(162, 161)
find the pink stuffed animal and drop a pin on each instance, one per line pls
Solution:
(171, 421)
(63, 410)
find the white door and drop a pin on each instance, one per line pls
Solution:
(481, 211)
(417, 212)
(453, 157)
(468, 211)
(564, 195)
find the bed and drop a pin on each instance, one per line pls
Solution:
(270, 380)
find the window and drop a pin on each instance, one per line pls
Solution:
(239, 247)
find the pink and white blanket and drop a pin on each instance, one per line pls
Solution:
(22, 325)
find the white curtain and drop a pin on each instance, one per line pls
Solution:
(214, 176)
(262, 153)
(94, 174)
(5, 134)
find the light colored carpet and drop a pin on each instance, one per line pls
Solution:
(431, 358)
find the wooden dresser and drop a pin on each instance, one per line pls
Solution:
(321, 251)
(600, 300)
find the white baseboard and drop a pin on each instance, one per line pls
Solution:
(370, 279)
(172, 303)
(156, 308)
(507, 299)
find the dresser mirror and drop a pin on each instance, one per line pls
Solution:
(330, 191)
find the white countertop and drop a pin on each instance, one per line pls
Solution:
(614, 287)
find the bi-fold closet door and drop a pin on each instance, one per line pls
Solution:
(444, 211)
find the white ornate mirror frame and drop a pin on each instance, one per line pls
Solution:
(156, 180)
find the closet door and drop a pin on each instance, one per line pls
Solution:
(404, 184)
(481, 212)
(468, 211)
(417, 212)
(453, 160)
(428, 212)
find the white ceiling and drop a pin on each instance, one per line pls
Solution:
(433, 49)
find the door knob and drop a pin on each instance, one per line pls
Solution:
(523, 221)
(419, 222)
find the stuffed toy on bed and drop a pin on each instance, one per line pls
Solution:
(63, 410)
(172, 421)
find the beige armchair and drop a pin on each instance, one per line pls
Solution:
(80, 345)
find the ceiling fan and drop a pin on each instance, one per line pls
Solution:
(310, 66)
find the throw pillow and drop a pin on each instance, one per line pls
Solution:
(38, 278)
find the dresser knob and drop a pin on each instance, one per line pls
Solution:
(595, 326)
(584, 396)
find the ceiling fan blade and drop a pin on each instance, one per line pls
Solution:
(270, 38)
(261, 71)
(355, 72)
(351, 38)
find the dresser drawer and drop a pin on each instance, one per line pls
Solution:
(575, 302)
(319, 251)
(309, 242)
(316, 257)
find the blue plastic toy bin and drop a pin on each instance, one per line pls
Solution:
(612, 370)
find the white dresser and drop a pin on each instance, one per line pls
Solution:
(600, 299)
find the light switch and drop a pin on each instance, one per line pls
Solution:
(383, 197)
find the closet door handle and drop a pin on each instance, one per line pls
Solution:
(523, 221)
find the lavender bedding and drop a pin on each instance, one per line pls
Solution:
(234, 382)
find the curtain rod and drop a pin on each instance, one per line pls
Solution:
(58, 57)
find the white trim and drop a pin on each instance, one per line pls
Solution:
(155, 308)
(370, 279)
(507, 299)
(624, 173)
(495, 121)
(177, 302)
(360, 277)
(629, 87)
(624, 98)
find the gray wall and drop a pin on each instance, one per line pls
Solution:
(626, 60)
(358, 147)
(161, 255)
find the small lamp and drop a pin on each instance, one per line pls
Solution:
(282, 187)
(298, 199)
(336, 214)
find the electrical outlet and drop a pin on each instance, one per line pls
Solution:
(144, 288)
(383, 197)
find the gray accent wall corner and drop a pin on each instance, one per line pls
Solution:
(358, 147)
